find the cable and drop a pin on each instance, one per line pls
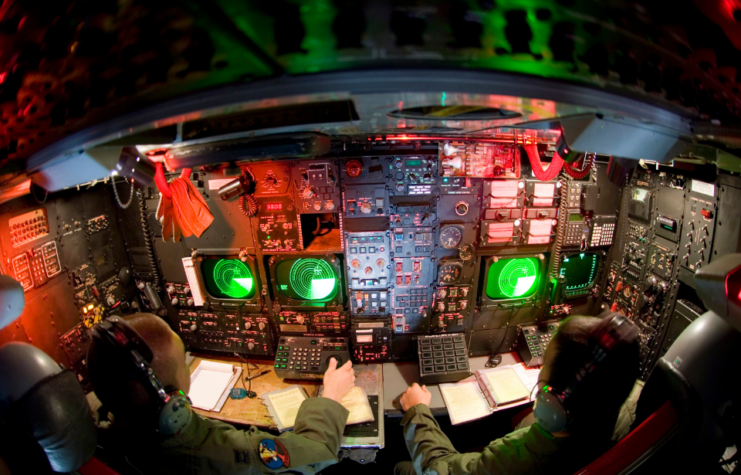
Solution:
(553, 168)
(579, 174)
(561, 229)
(33, 193)
(248, 205)
(144, 220)
(509, 319)
(118, 198)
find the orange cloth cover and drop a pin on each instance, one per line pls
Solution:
(181, 210)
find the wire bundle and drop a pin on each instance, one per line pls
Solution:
(548, 174)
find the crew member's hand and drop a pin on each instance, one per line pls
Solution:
(415, 394)
(338, 381)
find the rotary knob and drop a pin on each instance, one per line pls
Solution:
(442, 293)
(261, 326)
(300, 319)
(189, 302)
(440, 307)
(250, 346)
(461, 208)
(462, 304)
(110, 300)
(170, 289)
(381, 263)
(174, 301)
(366, 208)
(355, 264)
(247, 325)
(464, 291)
(186, 290)
(193, 327)
(368, 271)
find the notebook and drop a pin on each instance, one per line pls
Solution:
(356, 401)
(487, 391)
(283, 405)
(210, 384)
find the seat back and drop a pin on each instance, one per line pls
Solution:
(637, 446)
(668, 415)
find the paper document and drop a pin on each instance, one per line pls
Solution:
(529, 376)
(286, 404)
(356, 401)
(209, 382)
(465, 401)
(506, 386)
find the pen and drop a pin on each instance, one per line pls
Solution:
(256, 375)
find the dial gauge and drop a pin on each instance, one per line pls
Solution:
(465, 252)
(449, 273)
(450, 237)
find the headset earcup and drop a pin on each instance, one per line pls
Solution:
(175, 415)
(549, 413)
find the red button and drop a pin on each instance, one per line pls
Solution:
(706, 213)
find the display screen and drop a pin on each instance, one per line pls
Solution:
(517, 277)
(575, 217)
(580, 271)
(414, 163)
(273, 206)
(639, 194)
(228, 278)
(306, 279)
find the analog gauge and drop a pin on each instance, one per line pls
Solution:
(449, 273)
(450, 237)
(465, 252)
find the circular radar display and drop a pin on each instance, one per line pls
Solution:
(450, 237)
(312, 279)
(512, 278)
(233, 278)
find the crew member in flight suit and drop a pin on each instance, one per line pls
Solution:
(597, 410)
(207, 446)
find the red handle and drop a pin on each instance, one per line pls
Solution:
(161, 181)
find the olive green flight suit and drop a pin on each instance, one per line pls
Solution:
(208, 446)
(530, 450)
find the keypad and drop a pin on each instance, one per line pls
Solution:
(442, 358)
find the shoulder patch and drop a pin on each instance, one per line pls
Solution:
(274, 454)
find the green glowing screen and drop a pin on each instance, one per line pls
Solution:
(580, 271)
(306, 279)
(228, 278)
(513, 278)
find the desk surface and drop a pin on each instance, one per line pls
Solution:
(397, 377)
(251, 411)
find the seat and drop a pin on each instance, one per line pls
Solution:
(668, 415)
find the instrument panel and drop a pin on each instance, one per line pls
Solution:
(377, 246)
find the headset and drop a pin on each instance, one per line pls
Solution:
(172, 406)
(552, 406)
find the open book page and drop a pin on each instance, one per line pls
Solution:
(356, 401)
(285, 404)
(464, 401)
(528, 376)
(505, 386)
(208, 382)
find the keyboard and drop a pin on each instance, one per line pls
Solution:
(442, 358)
(303, 357)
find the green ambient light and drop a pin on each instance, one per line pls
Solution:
(312, 279)
(233, 278)
(580, 273)
(512, 278)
